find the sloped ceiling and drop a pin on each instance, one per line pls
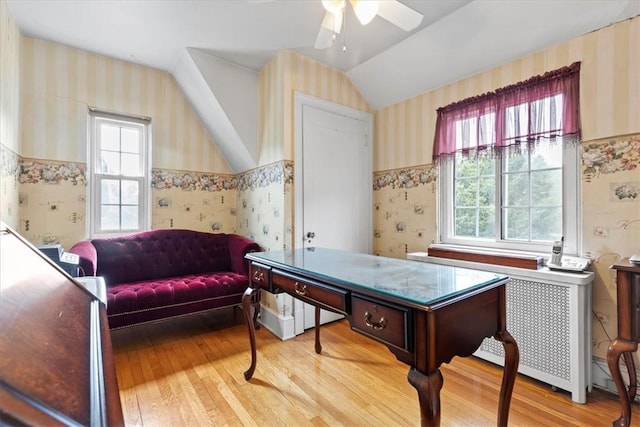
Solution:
(215, 48)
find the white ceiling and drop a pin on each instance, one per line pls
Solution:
(457, 38)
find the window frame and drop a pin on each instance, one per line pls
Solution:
(95, 178)
(571, 201)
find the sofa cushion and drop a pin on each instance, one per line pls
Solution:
(159, 254)
(151, 294)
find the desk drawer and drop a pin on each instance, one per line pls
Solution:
(259, 275)
(313, 292)
(383, 322)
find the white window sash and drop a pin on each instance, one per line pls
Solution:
(96, 118)
(571, 213)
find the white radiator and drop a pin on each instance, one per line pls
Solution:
(549, 315)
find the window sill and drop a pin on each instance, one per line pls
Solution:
(487, 256)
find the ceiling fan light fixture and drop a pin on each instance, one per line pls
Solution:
(333, 6)
(365, 10)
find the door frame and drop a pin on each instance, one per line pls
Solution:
(301, 100)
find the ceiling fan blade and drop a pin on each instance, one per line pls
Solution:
(399, 14)
(331, 24)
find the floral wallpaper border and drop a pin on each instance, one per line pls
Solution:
(31, 171)
(598, 157)
(405, 177)
(610, 156)
(51, 172)
(280, 172)
(191, 181)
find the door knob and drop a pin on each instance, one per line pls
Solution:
(311, 235)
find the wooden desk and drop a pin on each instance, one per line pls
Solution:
(424, 313)
(626, 343)
(56, 362)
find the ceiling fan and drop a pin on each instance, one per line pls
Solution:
(365, 10)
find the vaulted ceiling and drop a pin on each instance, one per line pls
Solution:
(198, 41)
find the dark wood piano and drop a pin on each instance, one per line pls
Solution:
(56, 360)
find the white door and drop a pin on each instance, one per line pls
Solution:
(333, 182)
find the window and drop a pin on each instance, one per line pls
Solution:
(509, 167)
(119, 173)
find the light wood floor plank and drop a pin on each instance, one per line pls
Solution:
(189, 371)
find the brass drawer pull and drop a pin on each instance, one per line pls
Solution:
(258, 276)
(378, 326)
(300, 290)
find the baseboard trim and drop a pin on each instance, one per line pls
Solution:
(281, 326)
(602, 376)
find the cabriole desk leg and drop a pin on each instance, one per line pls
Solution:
(428, 387)
(247, 302)
(617, 348)
(509, 374)
(318, 345)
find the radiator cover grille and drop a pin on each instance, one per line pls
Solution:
(545, 346)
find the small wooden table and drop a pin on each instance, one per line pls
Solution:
(424, 313)
(626, 343)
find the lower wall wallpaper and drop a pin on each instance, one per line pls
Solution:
(404, 211)
(53, 201)
(9, 187)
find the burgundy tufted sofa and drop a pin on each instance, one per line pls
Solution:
(157, 274)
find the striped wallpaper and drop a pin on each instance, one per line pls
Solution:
(59, 83)
(9, 116)
(610, 94)
(285, 74)
(9, 80)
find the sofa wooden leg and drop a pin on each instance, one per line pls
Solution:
(247, 302)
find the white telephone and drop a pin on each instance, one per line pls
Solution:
(565, 263)
(556, 252)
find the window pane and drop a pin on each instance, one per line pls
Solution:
(130, 164)
(516, 226)
(109, 137)
(466, 193)
(486, 167)
(546, 223)
(486, 223)
(110, 192)
(130, 140)
(546, 188)
(465, 222)
(130, 193)
(516, 189)
(486, 191)
(465, 167)
(129, 217)
(547, 156)
(110, 162)
(517, 163)
(110, 218)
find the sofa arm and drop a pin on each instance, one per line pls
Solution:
(239, 246)
(88, 257)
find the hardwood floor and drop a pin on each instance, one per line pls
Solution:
(188, 372)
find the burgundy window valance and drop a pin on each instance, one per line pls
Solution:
(545, 107)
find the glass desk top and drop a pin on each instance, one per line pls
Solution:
(417, 282)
